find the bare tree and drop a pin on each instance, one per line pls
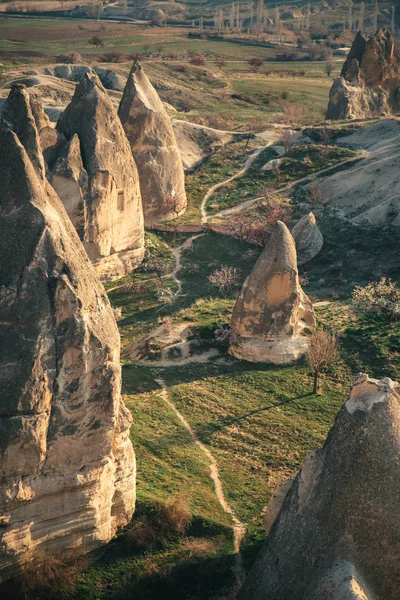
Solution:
(329, 66)
(323, 351)
(220, 62)
(286, 139)
(197, 60)
(277, 172)
(255, 63)
(293, 113)
(96, 41)
(224, 279)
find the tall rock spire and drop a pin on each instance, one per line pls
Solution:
(67, 467)
(111, 225)
(272, 313)
(337, 533)
(154, 147)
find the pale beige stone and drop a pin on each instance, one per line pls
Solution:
(67, 466)
(308, 238)
(369, 84)
(272, 314)
(154, 147)
(337, 532)
(112, 228)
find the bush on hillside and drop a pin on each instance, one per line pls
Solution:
(69, 59)
(45, 575)
(161, 523)
(381, 298)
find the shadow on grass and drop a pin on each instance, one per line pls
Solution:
(142, 379)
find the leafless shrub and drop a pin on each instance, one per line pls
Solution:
(45, 575)
(253, 225)
(225, 335)
(276, 170)
(163, 522)
(113, 57)
(293, 113)
(224, 279)
(198, 60)
(69, 59)
(316, 197)
(286, 139)
(329, 66)
(323, 351)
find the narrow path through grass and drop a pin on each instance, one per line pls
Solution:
(239, 528)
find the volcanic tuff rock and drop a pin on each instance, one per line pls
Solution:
(272, 313)
(369, 83)
(111, 216)
(308, 238)
(154, 147)
(338, 533)
(67, 467)
(24, 116)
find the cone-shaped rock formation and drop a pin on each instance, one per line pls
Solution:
(20, 113)
(272, 313)
(67, 467)
(308, 238)
(338, 532)
(369, 83)
(154, 147)
(111, 225)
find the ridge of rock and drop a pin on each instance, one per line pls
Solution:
(111, 227)
(67, 466)
(272, 313)
(369, 84)
(154, 147)
(337, 533)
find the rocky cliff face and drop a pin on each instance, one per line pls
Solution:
(272, 313)
(337, 534)
(107, 209)
(369, 84)
(154, 148)
(67, 467)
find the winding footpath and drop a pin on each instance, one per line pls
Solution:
(239, 528)
(217, 186)
(177, 252)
